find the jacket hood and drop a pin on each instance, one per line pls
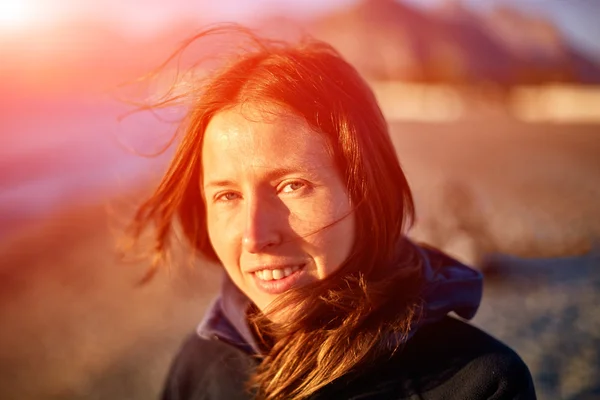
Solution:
(448, 286)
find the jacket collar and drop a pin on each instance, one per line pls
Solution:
(226, 319)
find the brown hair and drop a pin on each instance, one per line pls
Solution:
(344, 322)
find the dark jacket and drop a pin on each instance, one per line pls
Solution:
(444, 358)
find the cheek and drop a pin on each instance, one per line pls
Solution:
(308, 217)
(329, 229)
(221, 236)
(332, 246)
(342, 238)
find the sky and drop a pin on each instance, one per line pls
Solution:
(576, 18)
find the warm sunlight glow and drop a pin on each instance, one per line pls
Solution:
(15, 14)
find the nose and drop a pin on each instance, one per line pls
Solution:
(263, 228)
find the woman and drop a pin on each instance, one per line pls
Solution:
(287, 177)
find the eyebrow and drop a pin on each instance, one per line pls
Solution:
(217, 184)
(270, 176)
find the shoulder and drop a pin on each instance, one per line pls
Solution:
(449, 359)
(207, 369)
(454, 357)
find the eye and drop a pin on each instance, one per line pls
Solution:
(293, 186)
(227, 196)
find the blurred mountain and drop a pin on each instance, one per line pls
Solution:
(390, 40)
(387, 39)
(384, 39)
(539, 47)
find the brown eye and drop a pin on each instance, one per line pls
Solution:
(227, 196)
(292, 186)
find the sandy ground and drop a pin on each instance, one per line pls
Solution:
(76, 326)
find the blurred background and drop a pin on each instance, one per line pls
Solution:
(493, 106)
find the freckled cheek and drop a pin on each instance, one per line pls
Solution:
(307, 217)
(225, 237)
(337, 244)
(320, 221)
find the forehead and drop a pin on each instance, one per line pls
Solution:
(250, 137)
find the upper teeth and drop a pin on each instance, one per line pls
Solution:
(275, 274)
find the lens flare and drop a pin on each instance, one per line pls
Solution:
(15, 14)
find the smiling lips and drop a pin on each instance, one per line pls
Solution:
(278, 280)
(276, 273)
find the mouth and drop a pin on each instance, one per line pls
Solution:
(278, 280)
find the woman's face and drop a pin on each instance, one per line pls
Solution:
(278, 213)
